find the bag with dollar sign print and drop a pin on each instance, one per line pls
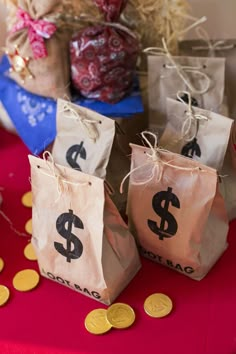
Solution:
(182, 222)
(78, 235)
(196, 133)
(38, 50)
(84, 139)
(203, 77)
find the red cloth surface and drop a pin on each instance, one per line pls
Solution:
(50, 318)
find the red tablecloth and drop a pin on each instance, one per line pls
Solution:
(50, 319)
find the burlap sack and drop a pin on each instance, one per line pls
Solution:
(217, 48)
(79, 238)
(182, 222)
(50, 74)
(84, 139)
(196, 133)
(204, 76)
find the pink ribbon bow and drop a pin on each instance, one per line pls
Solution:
(37, 31)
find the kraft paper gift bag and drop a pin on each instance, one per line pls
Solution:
(182, 221)
(38, 48)
(84, 139)
(78, 235)
(205, 46)
(202, 77)
(228, 185)
(196, 133)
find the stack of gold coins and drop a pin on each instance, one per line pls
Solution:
(118, 316)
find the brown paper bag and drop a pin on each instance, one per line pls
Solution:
(196, 133)
(202, 77)
(48, 75)
(78, 235)
(84, 139)
(216, 48)
(182, 222)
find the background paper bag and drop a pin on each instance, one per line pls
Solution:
(84, 139)
(182, 222)
(50, 71)
(196, 133)
(79, 237)
(204, 76)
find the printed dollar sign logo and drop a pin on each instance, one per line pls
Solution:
(166, 218)
(192, 148)
(72, 155)
(64, 225)
(185, 98)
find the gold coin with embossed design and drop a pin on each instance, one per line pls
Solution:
(26, 199)
(158, 305)
(26, 280)
(4, 295)
(28, 226)
(1, 264)
(96, 322)
(120, 315)
(29, 252)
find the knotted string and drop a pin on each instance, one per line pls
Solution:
(182, 71)
(54, 173)
(154, 159)
(191, 118)
(88, 125)
(210, 45)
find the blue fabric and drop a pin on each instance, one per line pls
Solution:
(34, 117)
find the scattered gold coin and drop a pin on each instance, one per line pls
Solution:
(120, 315)
(26, 280)
(4, 295)
(28, 226)
(158, 305)
(26, 199)
(96, 322)
(29, 252)
(1, 264)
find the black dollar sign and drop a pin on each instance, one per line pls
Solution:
(69, 219)
(186, 100)
(190, 149)
(72, 155)
(166, 217)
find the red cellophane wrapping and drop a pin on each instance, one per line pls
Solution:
(103, 57)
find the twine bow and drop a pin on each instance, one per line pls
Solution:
(181, 70)
(210, 45)
(38, 30)
(191, 118)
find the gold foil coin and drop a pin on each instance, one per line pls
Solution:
(96, 322)
(120, 315)
(26, 199)
(26, 280)
(4, 295)
(158, 305)
(28, 226)
(29, 252)
(1, 264)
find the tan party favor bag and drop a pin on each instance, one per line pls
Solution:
(181, 221)
(78, 234)
(38, 49)
(84, 139)
(202, 77)
(196, 133)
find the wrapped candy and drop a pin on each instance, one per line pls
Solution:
(103, 57)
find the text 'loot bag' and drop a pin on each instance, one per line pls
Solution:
(38, 49)
(202, 77)
(78, 235)
(182, 221)
(196, 133)
(84, 139)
